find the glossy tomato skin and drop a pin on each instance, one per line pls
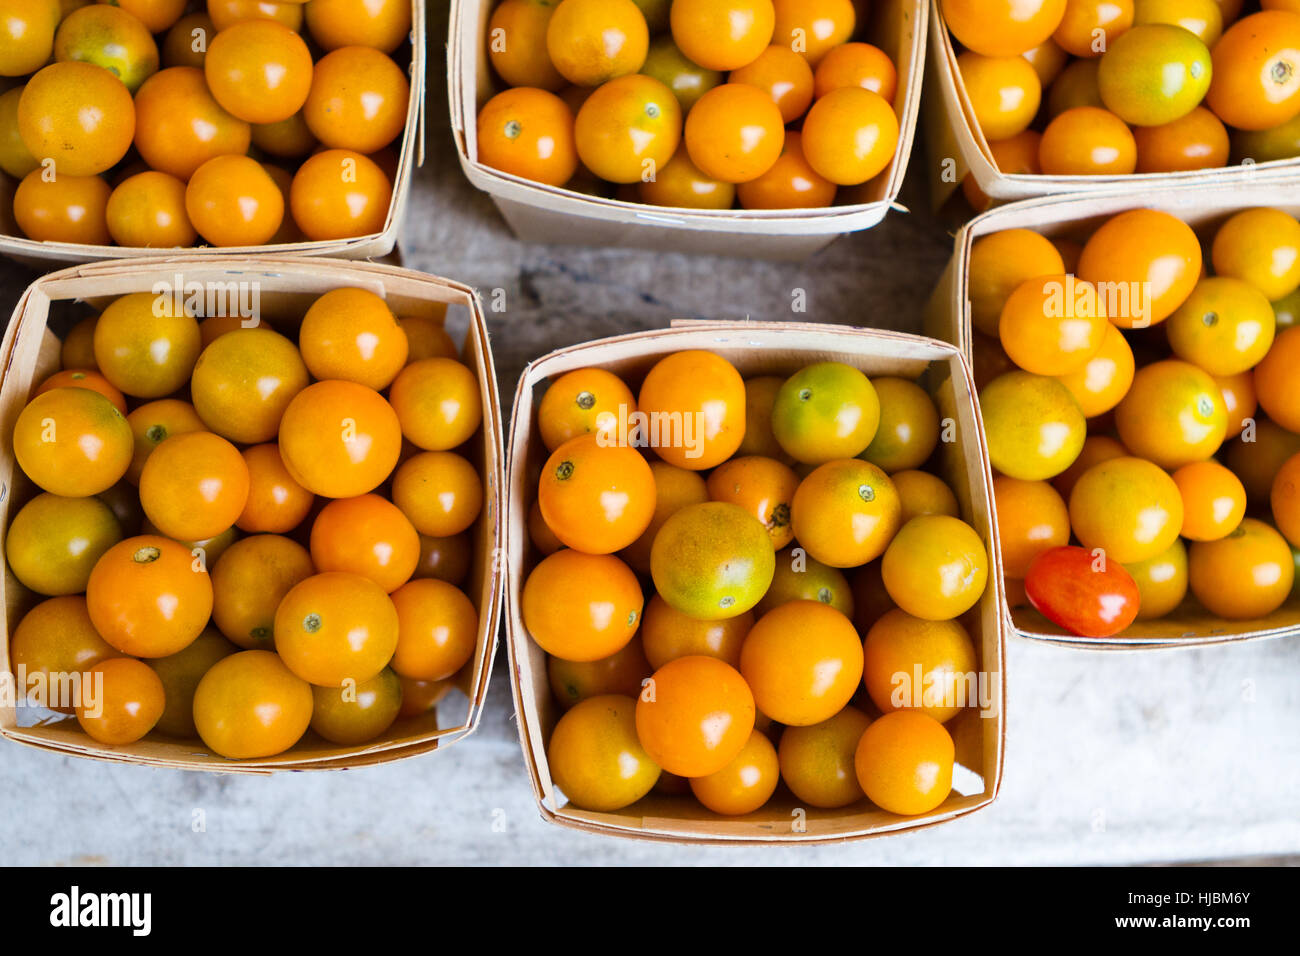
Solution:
(1082, 592)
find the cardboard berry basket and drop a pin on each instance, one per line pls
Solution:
(286, 286)
(410, 148)
(953, 136)
(759, 348)
(948, 317)
(540, 213)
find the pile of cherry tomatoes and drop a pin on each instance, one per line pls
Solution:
(134, 123)
(1112, 87)
(700, 104)
(731, 611)
(238, 535)
(1121, 384)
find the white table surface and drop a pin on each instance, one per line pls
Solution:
(1155, 756)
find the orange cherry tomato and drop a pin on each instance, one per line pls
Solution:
(439, 491)
(1048, 61)
(1104, 379)
(621, 673)
(1079, 29)
(850, 135)
(1002, 27)
(437, 629)
(359, 100)
(760, 396)
(846, 512)
(703, 392)
(180, 126)
(351, 334)
(1087, 141)
(784, 75)
(1148, 253)
(695, 716)
(594, 41)
(596, 497)
(54, 638)
(628, 129)
(904, 763)
(1247, 574)
(1016, 155)
(723, 35)
(259, 71)
(380, 24)
(529, 133)
(68, 209)
(83, 378)
(186, 43)
(1052, 325)
(446, 559)
(248, 583)
(581, 607)
(999, 263)
(856, 64)
(1260, 246)
(1256, 71)
(131, 701)
(1004, 92)
(148, 596)
(288, 138)
(148, 209)
(438, 403)
(1284, 499)
(517, 45)
(1032, 518)
(251, 705)
(367, 536)
(226, 13)
(1172, 415)
(595, 758)
(1214, 500)
(899, 648)
(762, 486)
(791, 183)
(233, 201)
(1127, 507)
(276, 503)
(427, 338)
(180, 675)
(72, 442)
(193, 486)
(582, 401)
(339, 439)
(735, 133)
(935, 567)
(336, 626)
(921, 493)
(803, 662)
(79, 115)
(1276, 383)
(1239, 399)
(1198, 140)
(743, 785)
(667, 634)
(244, 381)
(340, 194)
(28, 34)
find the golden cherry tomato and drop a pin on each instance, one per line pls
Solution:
(921, 493)
(675, 488)
(145, 345)
(695, 716)
(1276, 384)
(437, 629)
(180, 674)
(1048, 60)
(156, 15)
(128, 704)
(529, 133)
(734, 133)
(628, 129)
(1247, 574)
(517, 44)
(760, 396)
(1161, 581)
(439, 491)
(1172, 415)
(251, 705)
(186, 43)
(1035, 427)
(180, 126)
(1127, 507)
(582, 401)
(1202, 18)
(723, 35)
(825, 411)
(1032, 518)
(909, 426)
(83, 378)
(1153, 257)
(1004, 92)
(340, 194)
(148, 209)
(79, 115)
(53, 542)
(687, 79)
(1256, 65)
(791, 183)
(56, 638)
(581, 607)
(1090, 27)
(706, 394)
(1052, 325)
(813, 28)
(67, 209)
(438, 403)
(72, 442)
(233, 201)
(904, 763)
(359, 100)
(353, 715)
(27, 31)
(1225, 327)
(1104, 379)
(248, 583)
(999, 263)
(381, 24)
(148, 596)
(850, 135)
(108, 37)
(803, 662)
(15, 158)
(352, 334)
(856, 64)
(846, 512)
(193, 486)
(712, 561)
(1262, 247)
(762, 486)
(339, 439)
(799, 577)
(259, 71)
(935, 567)
(744, 784)
(1214, 500)
(817, 761)
(1198, 140)
(621, 673)
(913, 664)
(368, 536)
(336, 626)
(595, 756)
(593, 41)
(1087, 141)
(1002, 27)
(244, 381)
(782, 74)
(667, 634)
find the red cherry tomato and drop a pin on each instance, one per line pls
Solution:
(1082, 591)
